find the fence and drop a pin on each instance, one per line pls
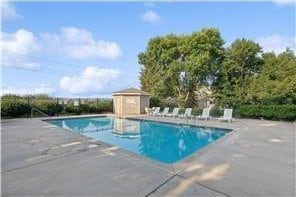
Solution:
(15, 106)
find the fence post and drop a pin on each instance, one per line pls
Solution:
(97, 105)
(58, 106)
(28, 100)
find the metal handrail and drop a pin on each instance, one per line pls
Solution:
(37, 110)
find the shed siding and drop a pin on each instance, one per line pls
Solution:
(144, 103)
(130, 103)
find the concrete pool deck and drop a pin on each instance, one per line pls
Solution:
(39, 159)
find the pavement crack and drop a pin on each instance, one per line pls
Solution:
(159, 186)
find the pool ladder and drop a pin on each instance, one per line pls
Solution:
(39, 111)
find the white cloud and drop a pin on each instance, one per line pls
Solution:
(8, 11)
(284, 2)
(21, 42)
(79, 43)
(151, 17)
(90, 81)
(41, 89)
(73, 42)
(276, 43)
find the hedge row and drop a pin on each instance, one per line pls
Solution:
(271, 112)
(13, 108)
(18, 108)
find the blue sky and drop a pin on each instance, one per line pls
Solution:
(90, 49)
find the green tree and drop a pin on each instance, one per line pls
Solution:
(197, 56)
(156, 60)
(242, 61)
(276, 84)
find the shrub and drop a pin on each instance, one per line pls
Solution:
(70, 108)
(170, 102)
(101, 106)
(267, 111)
(216, 111)
(272, 112)
(196, 111)
(155, 102)
(50, 107)
(92, 109)
(105, 106)
(248, 111)
(83, 108)
(181, 111)
(13, 108)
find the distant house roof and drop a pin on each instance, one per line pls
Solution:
(131, 91)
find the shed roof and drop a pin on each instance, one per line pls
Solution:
(131, 91)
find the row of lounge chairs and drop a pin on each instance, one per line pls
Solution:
(187, 114)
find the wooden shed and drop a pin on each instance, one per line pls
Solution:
(130, 101)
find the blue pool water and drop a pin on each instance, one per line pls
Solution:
(164, 142)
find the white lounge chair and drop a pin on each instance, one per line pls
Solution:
(227, 116)
(175, 112)
(156, 111)
(164, 112)
(205, 114)
(187, 113)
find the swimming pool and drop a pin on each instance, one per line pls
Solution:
(165, 142)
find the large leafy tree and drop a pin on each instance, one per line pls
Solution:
(156, 60)
(174, 66)
(276, 84)
(242, 60)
